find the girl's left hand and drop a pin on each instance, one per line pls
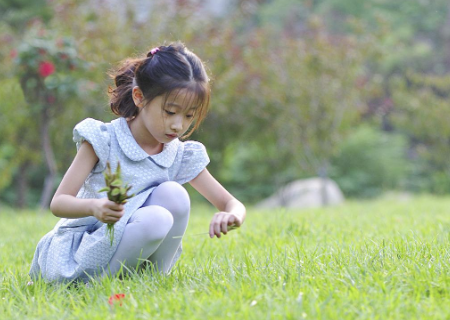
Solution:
(221, 222)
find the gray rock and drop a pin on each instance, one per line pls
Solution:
(306, 193)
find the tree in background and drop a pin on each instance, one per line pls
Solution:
(285, 97)
(421, 112)
(412, 72)
(311, 86)
(292, 80)
(20, 146)
(20, 149)
(44, 64)
(18, 13)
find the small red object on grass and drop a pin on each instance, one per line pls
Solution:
(118, 297)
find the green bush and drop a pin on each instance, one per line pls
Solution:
(369, 162)
(424, 177)
(253, 172)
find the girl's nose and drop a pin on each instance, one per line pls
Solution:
(176, 125)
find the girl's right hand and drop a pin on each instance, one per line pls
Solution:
(107, 211)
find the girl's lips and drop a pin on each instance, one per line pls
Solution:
(172, 135)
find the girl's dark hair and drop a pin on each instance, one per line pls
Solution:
(165, 71)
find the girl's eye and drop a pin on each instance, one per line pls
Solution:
(189, 116)
(170, 113)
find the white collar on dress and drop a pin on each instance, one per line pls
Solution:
(133, 151)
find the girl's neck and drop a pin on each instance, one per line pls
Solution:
(146, 141)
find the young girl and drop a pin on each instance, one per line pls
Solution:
(158, 98)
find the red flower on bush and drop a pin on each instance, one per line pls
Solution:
(46, 68)
(118, 297)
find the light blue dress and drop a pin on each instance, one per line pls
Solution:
(78, 248)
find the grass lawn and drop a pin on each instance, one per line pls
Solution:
(384, 259)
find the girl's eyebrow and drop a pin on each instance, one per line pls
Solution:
(173, 104)
(176, 105)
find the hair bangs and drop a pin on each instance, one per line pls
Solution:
(196, 97)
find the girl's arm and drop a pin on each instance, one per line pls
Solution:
(65, 204)
(231, 211)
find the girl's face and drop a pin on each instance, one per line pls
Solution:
(172, 120)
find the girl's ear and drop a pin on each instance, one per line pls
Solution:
(138, 96)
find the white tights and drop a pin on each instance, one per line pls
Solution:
(149, 234)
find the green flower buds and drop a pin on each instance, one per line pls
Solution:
(116, 191)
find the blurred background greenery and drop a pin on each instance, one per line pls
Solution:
(353, 90)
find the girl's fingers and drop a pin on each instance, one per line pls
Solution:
(222, 223)
(223, 226)
(217, 226)
(112, 216)
(237, 222)
(211, 229)
(227, 221)
(116, 206)
(232, 222)
(214, 228)
(115, 214)
(113, 205)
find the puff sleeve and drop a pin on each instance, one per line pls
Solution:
(193, 161)
(96, 133)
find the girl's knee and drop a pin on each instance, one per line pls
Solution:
(172, 189)
(174, 197)
(155, 222)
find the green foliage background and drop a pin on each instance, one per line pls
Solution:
(355, 90)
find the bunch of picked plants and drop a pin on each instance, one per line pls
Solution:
(116, 191)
